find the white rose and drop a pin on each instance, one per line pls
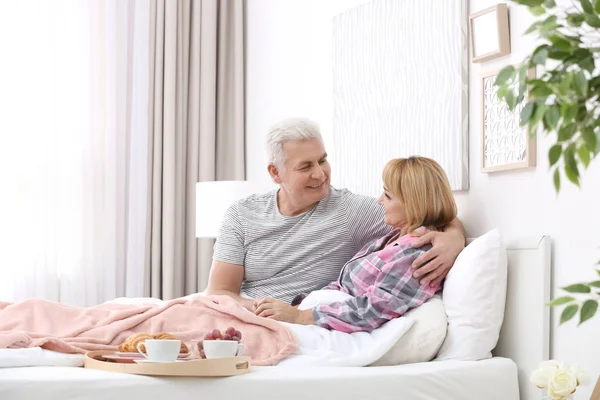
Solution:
(540, 376)
(561, 384)
(580, 374)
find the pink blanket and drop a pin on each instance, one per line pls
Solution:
(69, 329)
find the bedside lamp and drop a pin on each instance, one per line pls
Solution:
(212, 200)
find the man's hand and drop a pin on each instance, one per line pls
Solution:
(433, 265)
(276, 309)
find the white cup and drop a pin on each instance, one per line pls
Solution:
(223, 348)
(160, 350)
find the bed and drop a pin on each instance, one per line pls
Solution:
(524, 341)
(475, 380)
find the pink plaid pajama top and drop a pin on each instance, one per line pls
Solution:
(380, 279)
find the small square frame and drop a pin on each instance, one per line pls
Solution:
(489, 33)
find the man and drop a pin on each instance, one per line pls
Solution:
(296, 239)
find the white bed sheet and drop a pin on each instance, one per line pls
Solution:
(492, 379)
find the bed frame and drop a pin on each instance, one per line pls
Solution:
(525, 334)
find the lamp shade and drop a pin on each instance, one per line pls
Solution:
(213, 199)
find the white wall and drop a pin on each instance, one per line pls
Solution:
(289, 74)
(525, 203)
(289, 64)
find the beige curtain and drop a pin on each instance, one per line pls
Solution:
(196, 131)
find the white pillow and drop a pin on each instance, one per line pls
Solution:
(423, 340)
(474, 296)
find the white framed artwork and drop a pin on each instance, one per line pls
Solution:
(400, 88)
(505, 145)
(489, 33)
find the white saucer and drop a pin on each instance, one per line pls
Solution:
(157, 362)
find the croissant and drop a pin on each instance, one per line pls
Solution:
(130, 344)
(164, 336)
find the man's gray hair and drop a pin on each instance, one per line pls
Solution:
(294, 129)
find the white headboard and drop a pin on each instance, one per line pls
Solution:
(525, 335)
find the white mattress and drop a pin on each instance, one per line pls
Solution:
(493, 379)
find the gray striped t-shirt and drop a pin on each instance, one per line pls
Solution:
(285, 256)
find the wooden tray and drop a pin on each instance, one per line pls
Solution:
(229, 366)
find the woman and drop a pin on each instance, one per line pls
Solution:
(417, 198)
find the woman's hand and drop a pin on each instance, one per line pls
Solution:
(275, 309)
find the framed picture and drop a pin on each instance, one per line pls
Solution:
(505, 145)
(378, 89)
(490, 37)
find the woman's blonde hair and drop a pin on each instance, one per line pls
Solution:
(422, 185)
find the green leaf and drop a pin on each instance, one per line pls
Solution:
(530, 3)
(554, 154)
(569, 156)
(565, 132)
(589, 138)
(552, 116)
(501, 92)
(568, 313)
(588, 309)
(557, 180)
(595, 81)
(585, 59)
(541, 90)
(537, 11)
(561, 300)
(504, 75)
(527, 112)
(568, 111)
(594, 284)
(522, 82)
(572, 174)
(582, 52)
(584, 155)
(575, 19)
(587, 6)
(511, 100)
(592, 20)
(533, 27)
(597, 6)
(581, 84)
(561, 42)
(577, 288)
(540, 55)
(563, 86)
(588, 64)
(549, 25)
(571, 168)
(556, 54)
(540, 110)
(549, 3)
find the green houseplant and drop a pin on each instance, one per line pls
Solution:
(563, 101)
